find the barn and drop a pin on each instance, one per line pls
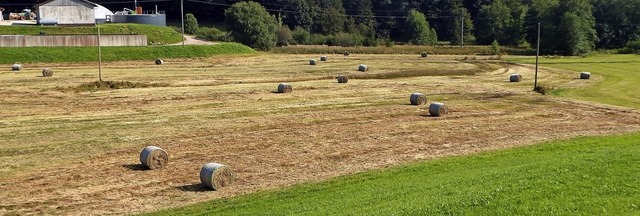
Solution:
(67, 12)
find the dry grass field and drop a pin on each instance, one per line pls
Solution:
(68, 151)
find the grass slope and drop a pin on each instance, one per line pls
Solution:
(590, 175)
(89, 54)
(621, 73)
(155, 34)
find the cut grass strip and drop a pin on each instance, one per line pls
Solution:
(583, 176)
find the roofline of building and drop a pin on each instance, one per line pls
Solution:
(84, 1)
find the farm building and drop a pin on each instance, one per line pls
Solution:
(67, 12)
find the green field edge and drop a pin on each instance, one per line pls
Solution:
(12, 55)
(574, 176)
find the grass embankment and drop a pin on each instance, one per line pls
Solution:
(156, 35)
(400, 49)
(621, 78)
(88, 54)
(591, 175)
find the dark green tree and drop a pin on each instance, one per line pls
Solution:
(502, 20)
(418, 30)
(576, 30)
(190, 24)
(457, 26)
(251, 24)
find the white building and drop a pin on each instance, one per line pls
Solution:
(67, 12)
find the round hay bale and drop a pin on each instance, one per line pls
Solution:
(585, 75)
(418, 99)
(313, 62)
(154, 157)
(216, 176)
(284, 88)
(323, 58)
(47, 72)
(342, 79)
(515, 78)
(346, 53)
(363, 68)
(438, 109)
(159, 62)
(16, 67)
(424, 55)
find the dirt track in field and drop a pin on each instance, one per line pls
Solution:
(77, 153)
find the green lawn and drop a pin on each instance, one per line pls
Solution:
(583, 176)
(9, 55)
(620, 86)
(155, 34)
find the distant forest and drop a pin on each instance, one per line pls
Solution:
(569, 26)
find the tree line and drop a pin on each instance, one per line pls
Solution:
(568, 27)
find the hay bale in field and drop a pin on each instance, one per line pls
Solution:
(284, 88)
(585, 75)
(313, 62)
(154, 157)
(438, 109)
(424, 55)
(346, 53)
(159, 62)
(418, 99)
(342, 79)
(515, 78)
(47, 72)
(323, 58)
(16, 66)
(363, 68)
(216, 176)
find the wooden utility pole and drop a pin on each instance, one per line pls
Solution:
(99, 55)
(462, 31)
(535, 85)
(182, 17)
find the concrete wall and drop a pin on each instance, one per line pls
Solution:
(68, 15)
(71, 40)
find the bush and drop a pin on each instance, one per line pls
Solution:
(284, 36)
(347, 40)
(251, 24)
(190, 24)
(301, 35)
(213, 34)
(495, 48)
(632, 47)
(318, 39)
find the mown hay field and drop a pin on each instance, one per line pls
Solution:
(70, 150)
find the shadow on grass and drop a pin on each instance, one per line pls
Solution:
(193, 188)
(135, 167)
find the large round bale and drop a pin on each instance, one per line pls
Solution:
(585, 75)
(515, 78)
(47, 72)
(16, 66)
(323, 58)
(313, 62)
(342, 79)
(423, 54)
(438, 109)
(216, 176)
(284, 88)
(154, 157)
(346, 53)
(418, 99)
(159, 62)
(363, 68)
